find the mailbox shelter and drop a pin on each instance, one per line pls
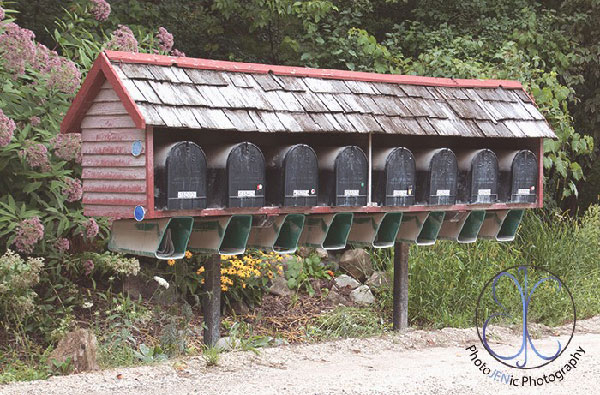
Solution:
(180, 177)
(293, 177)
(135, 111)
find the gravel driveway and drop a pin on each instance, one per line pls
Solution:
(411, 362)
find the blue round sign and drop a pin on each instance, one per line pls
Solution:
(138, 213)
(136, 148)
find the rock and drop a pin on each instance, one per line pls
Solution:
(357, 263)
(304, 252)
(226, 343)
(362, 295)
(379, 280)
(81, 347)
(345, 280)
(322, 253)
(280, 287)
(136, 286)
(239, 307)
(336, 298)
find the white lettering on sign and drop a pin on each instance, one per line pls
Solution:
(351, 192)
(523, 191)
(250, 193)
(301, 192)
(443, 192)
(186, 195)
(484, 192)
(400, 192)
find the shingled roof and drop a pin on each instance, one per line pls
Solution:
(203, 94)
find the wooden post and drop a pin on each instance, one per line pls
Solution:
(400, 314)
(211, 303)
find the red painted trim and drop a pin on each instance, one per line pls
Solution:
(540, 189)
(208, 64)
(149, 172)
(101, 71)
(212, 212)
(84, 98)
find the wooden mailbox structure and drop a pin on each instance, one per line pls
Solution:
(135, 111)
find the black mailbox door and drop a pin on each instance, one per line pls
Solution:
(246, 176)
(186, 177)
(351, 172)
(400, 175)
(301, 176)
(524, 177)
(443, 178)
(484, 177)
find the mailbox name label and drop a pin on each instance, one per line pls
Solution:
(400, 192)
(243, 193)
(186, 195)
(301, 192)
(443, 192)
(351, 192)
(523, 191)
(484, 192)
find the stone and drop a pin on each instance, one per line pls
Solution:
(357, 263)
(345, 280)
(280, 287)
(226, 343)
(304, 252)
(239, 307)
(362, 295)
(80, 347)
(335, 298)
(379, 280)
(322, 253)
(136, 286)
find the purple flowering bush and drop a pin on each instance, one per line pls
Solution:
(40, 169)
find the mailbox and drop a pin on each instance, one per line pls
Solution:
(437, 177)
(394, 177)
(518, 176)
(180, 177)
(292, 176)
(343, 173)
(477, 176)
(236, 176)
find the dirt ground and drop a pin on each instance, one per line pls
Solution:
(411, 362)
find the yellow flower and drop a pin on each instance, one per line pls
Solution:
(171, 262)
(270, 274)
(200, 270)
(243, 285)
(188, 254)
(224, 288)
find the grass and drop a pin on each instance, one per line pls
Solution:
(345, 322)
(445, 279)
(211, 356)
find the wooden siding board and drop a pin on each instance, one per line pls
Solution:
(239, 80)
(260, 125)
(112, 122)
(108, 211)
(416, 91)
(288, 122)
(167, 93)
(107, 108)
(388, 89)
(106, 95)
(168, 116)
(116, 186)
(187, 117)
(271, 121)
(120, 173)
(114, 199)
(107, 147)
(290, 101)
(344, 122)
(111, 135)
(215, 118)
(305, 121)
(91, 160)
(330, 102)
(133, 91)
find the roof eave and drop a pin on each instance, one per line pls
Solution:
(100, 72)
